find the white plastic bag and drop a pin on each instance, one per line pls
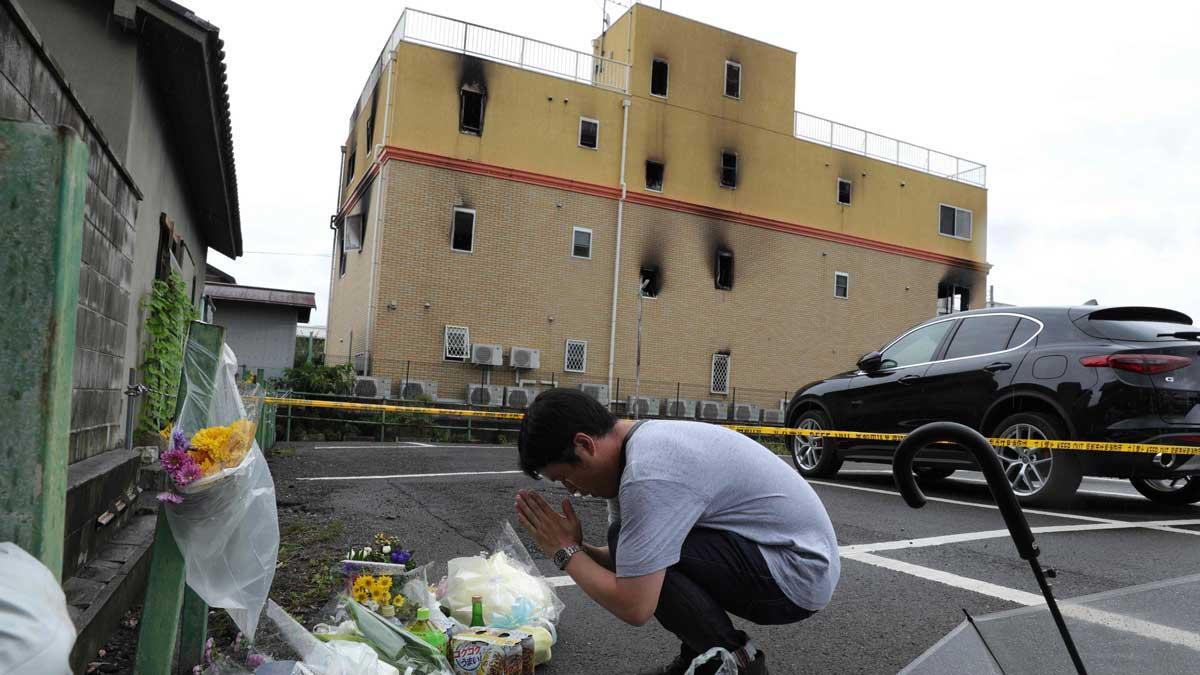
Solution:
(514, 592)
(337, 657)
(729, 665)
(226, 527)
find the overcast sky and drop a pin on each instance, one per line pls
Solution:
(1086, 115)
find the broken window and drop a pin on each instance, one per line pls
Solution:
(352, 233)
(729, 169)
(341, 250)
(724, 278)
(581, 242)
(733, 79)
(371, 117)
(720, 373)
(589, 133)
(841, 285)
(843, 191)
(654, 175)
(658, 78)
(350, 165)
(952, 298)
(651, 282)
(456, 343)
(462, 235)
(471, 110)
(576, 356)
(954, 222)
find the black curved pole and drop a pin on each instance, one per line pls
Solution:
(1010, 508)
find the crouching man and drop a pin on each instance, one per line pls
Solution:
(711, 524)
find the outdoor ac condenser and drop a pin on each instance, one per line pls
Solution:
(680, 407)
(520, 397)
(745, 412)
(596, 391)
(772, 416)
(712, 410)
(525, 358)
(487, 355)
(372, 387)
(644, 406)
(417, 388)
(485, 394)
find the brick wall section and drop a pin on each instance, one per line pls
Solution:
(521, 287)
(30, 91)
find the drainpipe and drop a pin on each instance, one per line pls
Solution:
(612, 334)
(379, 190)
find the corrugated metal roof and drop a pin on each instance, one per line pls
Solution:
(265, 296)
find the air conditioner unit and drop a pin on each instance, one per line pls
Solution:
(596, 391)
(680, 407)
(485, 394)
(520, 397)
(643, 406)
(525, 357)
(372, 387)
(712, 410)
(745, 412)
(359, 362)
(487, 355)
(772, 416)
(411, 389)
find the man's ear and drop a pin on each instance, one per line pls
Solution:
(584, 444)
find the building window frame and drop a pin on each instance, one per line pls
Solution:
(456, 343)
(662, 175)
(841, 291)
(721, 179)
(585, 120)
(666, 78)
(849, 195)
(454, 227)
(575, 356)
(591, 239)
(724, 270)
(721, 372)
(957, 211)
(725, 80)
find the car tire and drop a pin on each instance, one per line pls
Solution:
(813, 457)
(1157, 492)
(932, 474)
(1038, 477)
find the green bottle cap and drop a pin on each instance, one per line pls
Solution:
(422, 614)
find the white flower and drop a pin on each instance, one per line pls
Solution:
(366, 550)
(387, 549)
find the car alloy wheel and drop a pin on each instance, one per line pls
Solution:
(1170, 484)
(1027, 469)
(1174, 491)
(807, 450)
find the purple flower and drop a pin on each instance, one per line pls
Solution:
(169, 497)
(178, 441)
(180, 466)
(171, 460)
(255, 660)
(401, 557)
(349, 568)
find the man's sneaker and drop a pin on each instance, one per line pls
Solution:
(680, 665)
(757, 667)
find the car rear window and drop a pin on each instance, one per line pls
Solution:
(982, 335)
(1025, 330)
(1135, 324)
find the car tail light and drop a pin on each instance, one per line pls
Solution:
(1145, 364)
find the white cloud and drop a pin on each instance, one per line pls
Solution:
(1087, 117)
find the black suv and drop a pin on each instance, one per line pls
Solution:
(1090, 373)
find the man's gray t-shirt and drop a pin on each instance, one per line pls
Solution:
(682, 475)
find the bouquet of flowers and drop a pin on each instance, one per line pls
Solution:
(192, 462)
(375, 575)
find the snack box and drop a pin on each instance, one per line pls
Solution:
(492, 651)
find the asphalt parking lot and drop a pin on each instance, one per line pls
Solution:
(907, 575)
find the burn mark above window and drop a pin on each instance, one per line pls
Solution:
(724, 267)
(471, 109)
(658, 78)
(654, 175)
(729, 169)
(651, 282)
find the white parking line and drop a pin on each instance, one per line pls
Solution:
(413, 475)
(997, 534)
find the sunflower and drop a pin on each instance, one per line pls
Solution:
(383, 581)
(381, 595)
(364, 583)
(398, 600)
(360, 596)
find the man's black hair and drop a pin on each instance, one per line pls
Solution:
(550, 424)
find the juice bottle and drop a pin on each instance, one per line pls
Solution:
(477, 610)
(426, 631)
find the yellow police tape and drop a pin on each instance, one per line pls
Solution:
(1089, 446)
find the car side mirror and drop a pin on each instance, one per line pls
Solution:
(870, 362)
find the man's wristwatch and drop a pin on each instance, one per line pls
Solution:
(563, 556)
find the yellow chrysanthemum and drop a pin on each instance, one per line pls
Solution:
(211, 445)
(241, 438)
(165, 433)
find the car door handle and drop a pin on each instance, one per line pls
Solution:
(997, 366)
(909, 379)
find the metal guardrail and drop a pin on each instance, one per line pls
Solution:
(876, 146)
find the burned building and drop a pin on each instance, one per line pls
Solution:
(516, 207)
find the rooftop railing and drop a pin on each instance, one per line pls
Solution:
(852, 139)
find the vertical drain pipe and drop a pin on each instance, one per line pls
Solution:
(612, 334)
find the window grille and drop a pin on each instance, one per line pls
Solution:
(576, 359)
(457, 343)
(720, 374)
